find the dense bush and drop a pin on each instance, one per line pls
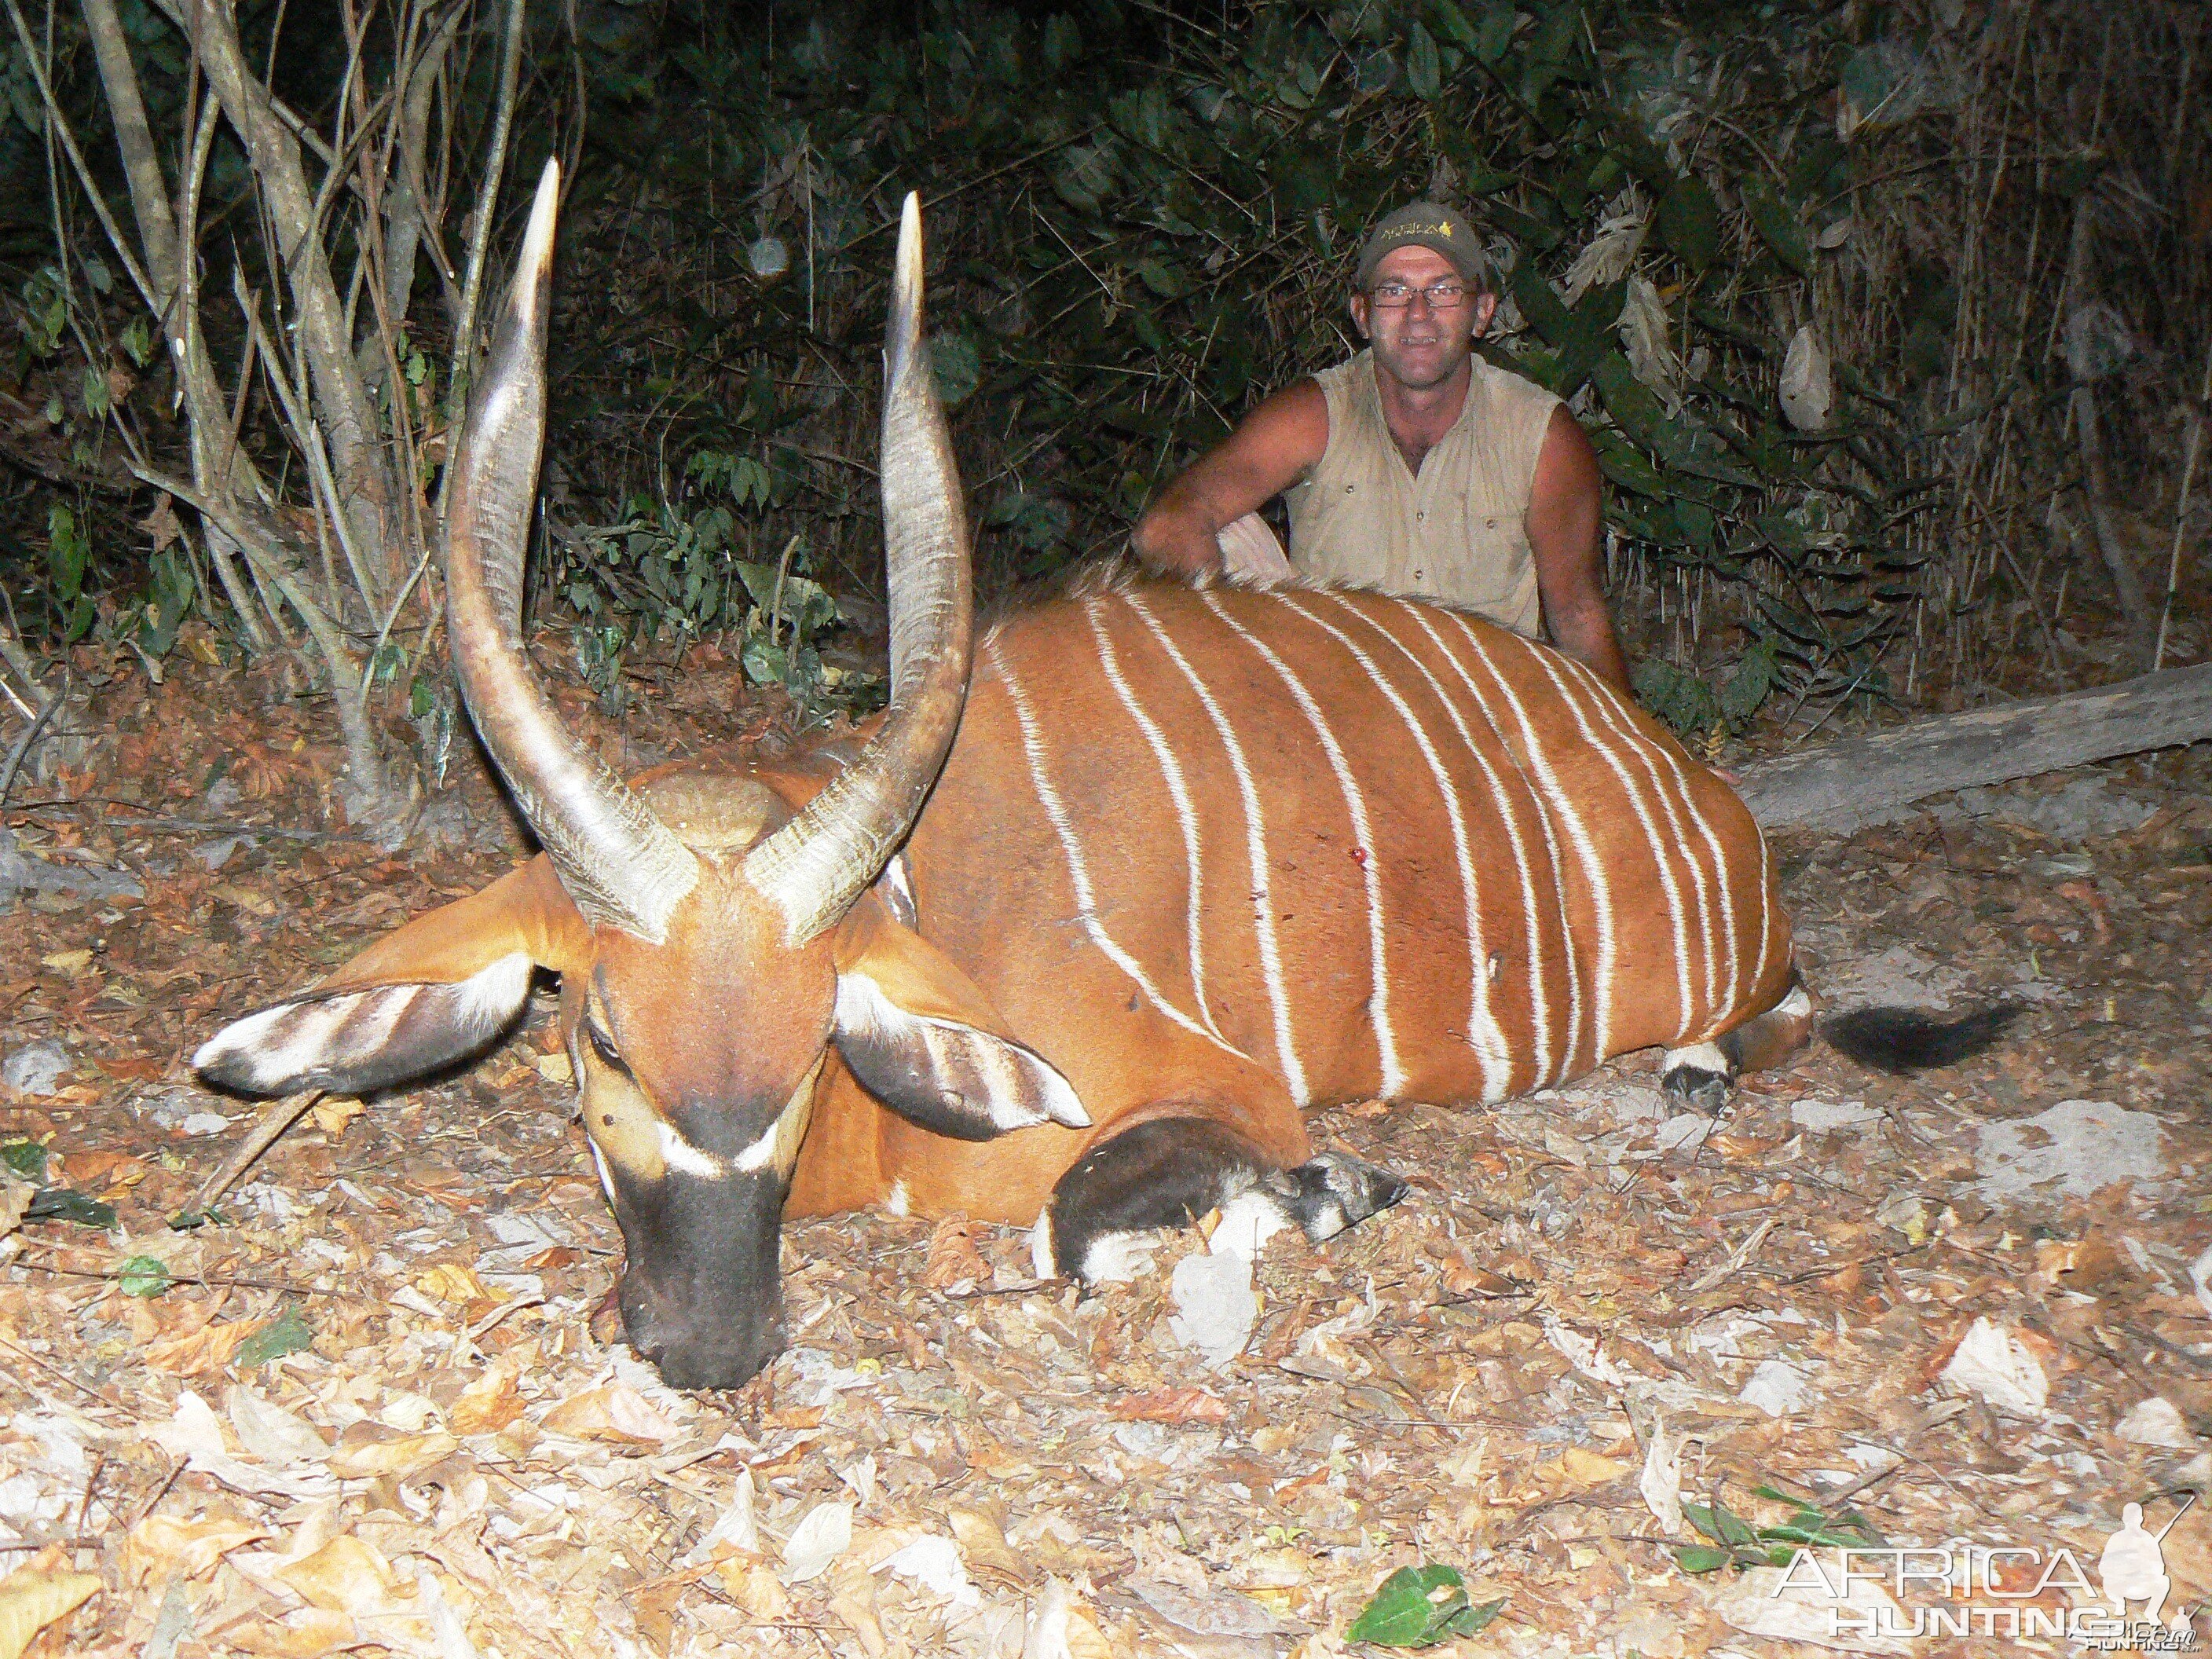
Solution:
(1799, 267)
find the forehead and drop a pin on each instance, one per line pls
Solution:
(1418, 266)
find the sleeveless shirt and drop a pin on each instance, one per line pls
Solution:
(1455, 532)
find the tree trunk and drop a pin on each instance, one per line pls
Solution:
(1869, 780)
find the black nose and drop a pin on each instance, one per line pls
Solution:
(691, 1351)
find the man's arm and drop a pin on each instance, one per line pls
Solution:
(1270, 450)
(1566, 533)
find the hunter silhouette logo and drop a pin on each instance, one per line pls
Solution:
(2000, 1590)
(2133, 1565)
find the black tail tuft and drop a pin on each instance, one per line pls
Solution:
(1900, 1040)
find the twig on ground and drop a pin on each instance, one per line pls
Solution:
(280, 1116)
(30, 736)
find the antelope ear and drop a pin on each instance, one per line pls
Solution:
(921, 1037)
(429, 993)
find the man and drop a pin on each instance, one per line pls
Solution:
(1416, 468)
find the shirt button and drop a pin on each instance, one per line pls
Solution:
(1490, 524)
(1348, 489)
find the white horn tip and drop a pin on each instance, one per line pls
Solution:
(538, 240)
(904, 333)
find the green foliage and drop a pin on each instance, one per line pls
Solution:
(25, 1159)
(679, 567)
(288, 1334)
(1420, 1606)
(67, 1203)
(69, 555)
(144, 1276)
(1735, 1542)
(1142, 227)
(171, 589)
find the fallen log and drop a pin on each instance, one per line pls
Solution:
(1860, 781)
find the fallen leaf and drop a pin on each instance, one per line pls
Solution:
(31, 1598)
(244, 898)
(162, 1545)
(489, 1404)
(614, 1412)
(983, 1542)
(303, 1633)
(1170, 1405)
(822, 1534)
(449, 1281)
(369, 1448)
(1661, 1480)
(1060, 1627)
(953, 1256)
(269, 1431)
(345, 1576)
(331, 1115)
(1991, 1360)
(754, 1586)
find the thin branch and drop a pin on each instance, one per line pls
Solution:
(14, 760)
(61, 126)
(510, 62)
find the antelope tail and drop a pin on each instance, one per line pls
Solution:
(1900, 1040)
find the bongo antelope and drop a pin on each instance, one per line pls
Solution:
(1096, 908)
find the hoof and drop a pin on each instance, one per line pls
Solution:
(1697, 1089)
(1332, 1192)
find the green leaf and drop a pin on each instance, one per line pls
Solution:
(1777, 227)
(1063, 42)
(1756, 676)
(1415, 1608)
(67, 1203)
(1454, 23)
(1734, 1528)
(288, 1334)
(144, 1276)
(1697, 1557)
(1496, 33)
(1689, 222)
(957, 366)
(1163, 278)
(1424, 71)
(1477, 1618)
(26, 1158)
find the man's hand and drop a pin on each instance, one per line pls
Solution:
(1270, 450)
(1566, 533)
(1250, 550)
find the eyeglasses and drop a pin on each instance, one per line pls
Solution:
(1397, 296)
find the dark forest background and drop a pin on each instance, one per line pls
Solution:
(1889, 320)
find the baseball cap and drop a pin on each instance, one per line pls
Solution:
(1425, 224)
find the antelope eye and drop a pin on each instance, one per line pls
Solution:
(603, 1046)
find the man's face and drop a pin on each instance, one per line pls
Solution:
(1418, 345)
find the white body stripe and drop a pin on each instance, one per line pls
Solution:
(1178, 792)
(1550, 1050)
(1483, 1034)
(1718, 947)
(1378, 1002)
(1055, 811)
(1557, 804)
(1255, 846)
(1637, 803)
